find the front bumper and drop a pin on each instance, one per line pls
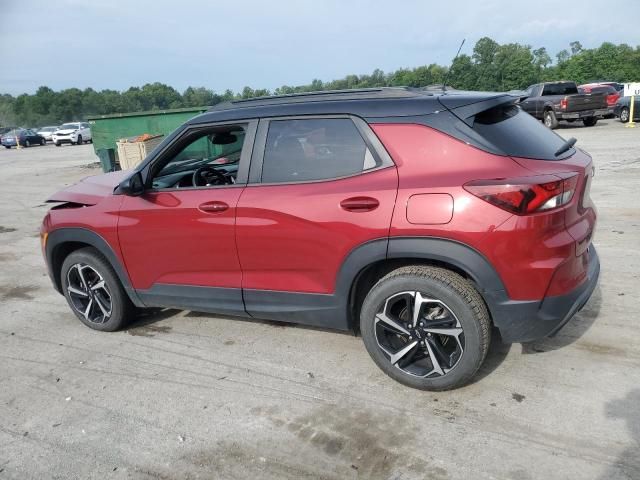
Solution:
(65, 139)
(526, 321)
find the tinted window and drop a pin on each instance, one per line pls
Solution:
(314, 149)
(560, 89)
(518, 134)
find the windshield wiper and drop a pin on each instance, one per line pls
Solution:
(566, 146)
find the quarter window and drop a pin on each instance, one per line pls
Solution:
(314, 149)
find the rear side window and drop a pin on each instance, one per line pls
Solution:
(314, 149)
(518, 134)
(560, 89)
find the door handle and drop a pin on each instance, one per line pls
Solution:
(359, 204)
(213, 207)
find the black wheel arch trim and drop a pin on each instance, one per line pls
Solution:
(61, 236)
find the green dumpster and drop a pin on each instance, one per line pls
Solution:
(106, 130)
(107, 158)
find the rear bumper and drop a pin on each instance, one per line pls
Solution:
(584, 114)
(526, 321)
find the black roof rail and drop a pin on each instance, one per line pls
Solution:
(322, 95)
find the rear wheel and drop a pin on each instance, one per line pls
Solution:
(590, 121)
(94, 292)
(79, 142)
(27, 143)
(550, 119)
(43, 142)
(426, 327)
(624, 115)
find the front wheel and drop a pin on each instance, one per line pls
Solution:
(426, 327)
(7, 147)
(589, 121)
(624, 115)
(94, 292)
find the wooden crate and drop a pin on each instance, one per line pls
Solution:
(131, 154)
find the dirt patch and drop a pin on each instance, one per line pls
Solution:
(368, 442)
(148, 330)
(17, 293)
(518, 397)
(601, 349)
(6, 229)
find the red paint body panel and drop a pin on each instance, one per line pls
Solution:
(166, 238)
(527, 250)
(295, 237)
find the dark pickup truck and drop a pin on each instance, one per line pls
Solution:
(555, 101)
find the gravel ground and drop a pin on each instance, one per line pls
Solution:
(189, 395)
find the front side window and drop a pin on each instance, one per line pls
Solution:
(210, 157)
(314, 149)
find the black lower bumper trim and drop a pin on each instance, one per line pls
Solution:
(526, 321)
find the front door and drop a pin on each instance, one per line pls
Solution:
(178, 238)
(322, 187)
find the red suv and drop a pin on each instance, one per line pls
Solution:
(419, 219)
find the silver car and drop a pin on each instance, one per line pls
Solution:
(46, 132)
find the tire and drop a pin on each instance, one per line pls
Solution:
(79, 142)
(550, 119)
(590, 121)
(624, 115)
(90, 140)
(57, 144)
(43, 142)
(27, 144)
(7, 147)
(96, 270)
(452, 302)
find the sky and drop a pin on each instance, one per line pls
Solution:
(116, 44)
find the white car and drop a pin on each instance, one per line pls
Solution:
(75, 133)
(46, 132)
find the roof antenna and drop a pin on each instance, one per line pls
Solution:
(446, 77)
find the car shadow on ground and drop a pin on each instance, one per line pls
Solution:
(572, 331)
(627, 465)
(144, 323)
(579, 124)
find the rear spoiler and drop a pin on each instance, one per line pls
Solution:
(467, 113)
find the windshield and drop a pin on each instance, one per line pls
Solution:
(69, 126)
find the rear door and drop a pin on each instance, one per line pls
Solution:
(319, 187)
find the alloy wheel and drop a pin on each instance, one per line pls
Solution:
(89, 293)
(419, 335)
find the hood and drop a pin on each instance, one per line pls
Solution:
(65, 131)
(90, 190)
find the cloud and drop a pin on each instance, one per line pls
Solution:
(116, 44)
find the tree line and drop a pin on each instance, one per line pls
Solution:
(491, 66)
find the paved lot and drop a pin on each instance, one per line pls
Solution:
(187, 395)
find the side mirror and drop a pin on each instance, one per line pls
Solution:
(132, 186)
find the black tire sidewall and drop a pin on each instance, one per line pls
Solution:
(119, 301)
(473, 355)
(79, 142)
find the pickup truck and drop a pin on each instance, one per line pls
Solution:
(555, 101)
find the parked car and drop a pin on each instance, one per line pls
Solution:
(555, 101)
(419, 219)
(75, 133)
(47, 132)
(25, 137)
(622, 109)
(4, 130)
(612, 95)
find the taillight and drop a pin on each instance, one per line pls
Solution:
(526, 195)
(563, 103)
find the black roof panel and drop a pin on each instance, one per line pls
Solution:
(369, 102)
